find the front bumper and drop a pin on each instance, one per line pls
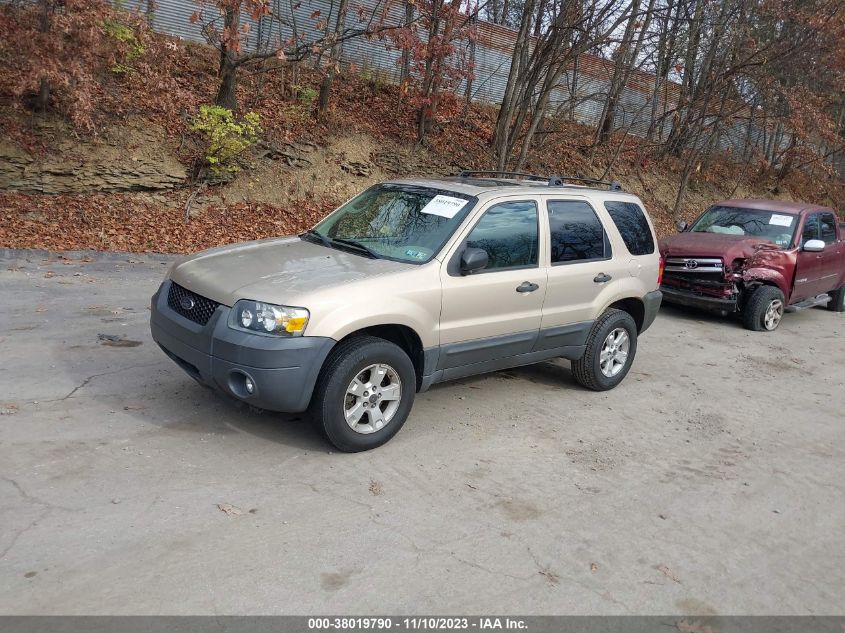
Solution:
(703, 302)
(283, 370)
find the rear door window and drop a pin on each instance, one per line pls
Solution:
(827, 227)
(811, 229)
(632, 225)
(576, 232)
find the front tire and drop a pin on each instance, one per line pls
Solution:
(837, 300)
(611, 347)
(764, 309)
(364, 393)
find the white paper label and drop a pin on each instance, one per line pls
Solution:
(445, 206)
(780, 220)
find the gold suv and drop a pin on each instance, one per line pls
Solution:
(411, 283)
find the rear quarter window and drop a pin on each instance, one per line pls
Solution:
(632, 225)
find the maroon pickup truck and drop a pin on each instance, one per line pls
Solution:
(759, 258)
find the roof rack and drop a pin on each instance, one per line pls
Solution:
(467, 173)
(552, 181)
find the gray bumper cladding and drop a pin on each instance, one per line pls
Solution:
(651, 304)
(282, 370)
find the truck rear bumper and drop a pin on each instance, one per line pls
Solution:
(702, 302)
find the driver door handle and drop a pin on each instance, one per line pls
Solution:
(602, 278)
(527, 286)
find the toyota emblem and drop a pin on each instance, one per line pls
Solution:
(691, 264)
(187, 303)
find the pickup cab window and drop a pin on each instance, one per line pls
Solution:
(775, 227)
(827, 226)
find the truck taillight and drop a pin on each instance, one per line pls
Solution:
(660, 271)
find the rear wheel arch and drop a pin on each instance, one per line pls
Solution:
(633, 306)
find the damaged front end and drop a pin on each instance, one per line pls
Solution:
(710, 283)
(701, 282)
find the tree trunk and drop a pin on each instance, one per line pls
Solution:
(150, 12)
(227, 96)
(538, 21)
(666, 53)
(431, 78)
(334, 60)
(406, 55)
(42, 102)
(624, 58)
(227, 93)
(506, 110)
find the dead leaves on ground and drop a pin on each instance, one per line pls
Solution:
(129, 222)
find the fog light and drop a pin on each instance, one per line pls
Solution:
(249, 385)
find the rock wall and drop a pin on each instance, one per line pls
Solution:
(133, 157)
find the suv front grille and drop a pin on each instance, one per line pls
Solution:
(190, 305)
(694, 265)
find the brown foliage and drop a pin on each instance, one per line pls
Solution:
(126, 222)
(65, 45)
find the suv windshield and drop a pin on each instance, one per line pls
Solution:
(402, 222)
(775, 227)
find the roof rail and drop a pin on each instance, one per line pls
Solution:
(467, 173)
(553, 181)
(559, 181)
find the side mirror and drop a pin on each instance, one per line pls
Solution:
(472, 260)
(682, 226)
(814, 246)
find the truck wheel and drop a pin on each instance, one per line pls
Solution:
(763, 310)
(837, 300)
(611, 348)
(364, 393)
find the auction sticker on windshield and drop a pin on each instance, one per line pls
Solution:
(445, 206)
(780, 220)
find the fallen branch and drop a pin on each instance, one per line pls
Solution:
(190, 200)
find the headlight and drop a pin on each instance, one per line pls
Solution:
(266, 318)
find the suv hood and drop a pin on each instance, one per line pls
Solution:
(727, 247)
(278, 270)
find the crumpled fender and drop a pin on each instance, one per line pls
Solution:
(766, 275)
(773, 266)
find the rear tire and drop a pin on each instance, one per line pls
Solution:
(764, 309)
(364, 393)
(602, 366)
(837, 300)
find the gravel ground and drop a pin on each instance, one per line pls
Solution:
(711, 481)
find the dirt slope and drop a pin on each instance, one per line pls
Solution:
(130, 186)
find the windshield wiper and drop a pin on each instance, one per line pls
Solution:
(323, 239)
(356, 245)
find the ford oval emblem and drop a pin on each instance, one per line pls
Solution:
(187, 303)
(691, 264)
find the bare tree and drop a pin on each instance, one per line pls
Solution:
(577, 27)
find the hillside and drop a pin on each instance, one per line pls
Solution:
(128, 183)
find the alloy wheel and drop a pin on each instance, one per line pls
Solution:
(614, 352)
(372, 398)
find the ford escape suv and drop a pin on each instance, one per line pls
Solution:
(411, 283)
